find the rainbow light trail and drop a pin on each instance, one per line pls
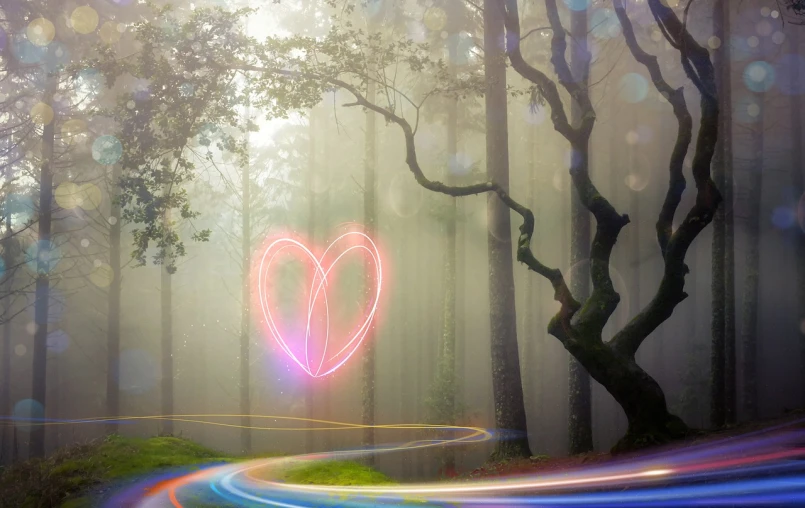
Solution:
(761, 469)
(354, 240)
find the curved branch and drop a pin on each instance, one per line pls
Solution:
(708, 198)
(675, 97)
(578, 93)
(604, 299)
(547, 87)
(560, 325)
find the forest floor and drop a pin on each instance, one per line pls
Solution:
(544, 464)
(76, 475)
(84, 475)
(70, 474)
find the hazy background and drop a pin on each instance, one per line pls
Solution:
(630, 149)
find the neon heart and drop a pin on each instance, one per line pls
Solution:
(322, 268)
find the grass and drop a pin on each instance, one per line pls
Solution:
(62, 479)
(70, 477)
(336, 473)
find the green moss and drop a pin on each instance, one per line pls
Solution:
(66, 476)
(120, 457)
(336, 473)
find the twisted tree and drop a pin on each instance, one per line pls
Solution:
(579, 327)
(294, 72)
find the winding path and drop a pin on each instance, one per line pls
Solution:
(762, 469)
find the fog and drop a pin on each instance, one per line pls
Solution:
(307, 178)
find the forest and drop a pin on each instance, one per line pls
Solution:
(351, 252)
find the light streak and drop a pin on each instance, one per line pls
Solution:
(738, 472)
(757, 470)
(354, 241)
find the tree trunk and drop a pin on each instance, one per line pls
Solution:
(749, 337)
(797, 177)
(447, 363)
(44, 266)
(722, 354)
(445, 383)
(5, 392)
(311, 237)
(113, 316)
(634, 238)
(533, 360)
(54, 407)
(506, 379)
(580, 404)
(166, 307)
(324, 390)
(370, 227)
(635, 390)
(730, 380)
(246, 303)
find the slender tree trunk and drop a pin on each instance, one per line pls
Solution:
(797, 177)
(580, 404)
(461, 336)
(44, 266)
(723, 377)
(113, 316)
(166, 306)
(718, 359)
(325, 386)
(246, 303)
(370, 226)
(54, 407)
(311, 235)
(446, 375)
(9, 256)
(5, 393)
(15, 450)
(506, 379)
(447, 363)
(730, 358)
(614, 186)
(634, 242)
(533, 351)
(749, 336)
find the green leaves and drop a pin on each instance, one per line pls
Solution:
(173, 104)
(187, 86)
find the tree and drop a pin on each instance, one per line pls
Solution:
(246, 291)
(798, 180)
(40, 69)
(580, 404)
(723, 358)
(10, 259)
(751, 302)
(311, 237)
(286, 66)
(113, 313)
(172, 102)
(506, 379)
(612, 363)
(370, 227)
(442, 401)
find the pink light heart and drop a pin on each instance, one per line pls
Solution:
(317, 308)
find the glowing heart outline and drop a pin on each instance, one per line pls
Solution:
(279, 244)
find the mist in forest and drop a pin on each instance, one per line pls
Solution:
(155, 243)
